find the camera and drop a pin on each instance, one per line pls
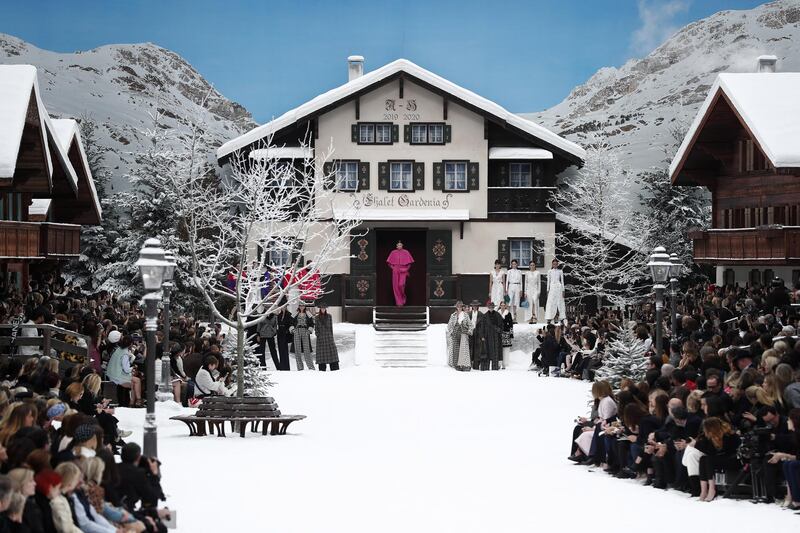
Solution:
(754, 443)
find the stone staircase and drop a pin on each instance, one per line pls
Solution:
(401, 339)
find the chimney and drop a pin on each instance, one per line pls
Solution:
(355, 67)
(767, 63)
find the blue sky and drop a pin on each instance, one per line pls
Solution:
(271, 56)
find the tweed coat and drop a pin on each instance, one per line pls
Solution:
(458, 355)
(326, 347)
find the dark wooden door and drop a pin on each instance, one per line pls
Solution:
(413, 241)
(442, 286)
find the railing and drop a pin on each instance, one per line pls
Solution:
(39, 240)
(10, 339)
(516, 200)
(767, 245)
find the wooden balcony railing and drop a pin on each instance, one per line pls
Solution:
(769, 245)
(510, 201)
(39, 240)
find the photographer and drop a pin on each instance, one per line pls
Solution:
(140, 482)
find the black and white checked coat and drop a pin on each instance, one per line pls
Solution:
(326, 347)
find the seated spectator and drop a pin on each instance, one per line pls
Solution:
(718, 444)
(206, 381)
(120, 371)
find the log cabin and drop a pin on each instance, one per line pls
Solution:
(46, 186)
(744, 146)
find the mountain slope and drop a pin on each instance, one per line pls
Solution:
(638, 107)
(118, 85)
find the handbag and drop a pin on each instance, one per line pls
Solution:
(524, 303)
(506, 298)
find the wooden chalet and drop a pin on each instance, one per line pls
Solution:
(744, 146)
(46, 187)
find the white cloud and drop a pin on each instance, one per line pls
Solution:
(657, 19)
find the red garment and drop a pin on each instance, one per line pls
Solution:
(399, 261)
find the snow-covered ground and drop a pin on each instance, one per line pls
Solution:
(426, 449)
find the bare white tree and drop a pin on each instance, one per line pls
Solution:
(604, 245)
(264, 207)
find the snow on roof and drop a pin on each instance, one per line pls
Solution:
(768, 103)
(16, 84)
(502, 152)
(40, 206)
(283, 152)
(583, 226)
(67, 131)
(404, 65)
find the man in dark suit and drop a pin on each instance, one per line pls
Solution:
(285, 322)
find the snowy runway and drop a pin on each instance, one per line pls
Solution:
(430, 449)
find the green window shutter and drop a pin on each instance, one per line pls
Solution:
(395, 133)
(406, 133)
(418, 169)
(438, 176)
(329, 179)
(383, 176)
(354, 133)
(502, 252)
(448, 133)
(473, 177)
(363, 175)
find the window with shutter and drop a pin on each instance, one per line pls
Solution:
(363, 176)
(406, 133)
(354, 133)
(401, 176)
(383, 176)
(455, 176)
(438, 176)
(374, 133)
(473, 176)
(419, 176)
(502, 252)
(448, 133)
(347, 175)
(395, 133)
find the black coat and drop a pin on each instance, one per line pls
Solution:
(550, 350)
(135, 485)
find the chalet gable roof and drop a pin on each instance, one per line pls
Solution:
(385, 72)
(19, 95)
(769, 107)
(68, 134)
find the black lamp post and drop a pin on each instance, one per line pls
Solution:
(659, 269)
(151, 265)
(674, 272)
(165, 388)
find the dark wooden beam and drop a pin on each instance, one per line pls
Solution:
(401, 87)
(358, 108)
(444, 108)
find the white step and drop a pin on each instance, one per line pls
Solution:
(401, 349)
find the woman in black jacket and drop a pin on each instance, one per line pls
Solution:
(550, 350)
(719, 444)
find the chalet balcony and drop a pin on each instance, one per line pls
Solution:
(39, 240)
(514, 202)
(766, 245)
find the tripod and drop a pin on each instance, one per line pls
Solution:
(754, 467)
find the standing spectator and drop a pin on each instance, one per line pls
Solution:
(267, 331)
(507, 335)
(120, 371)
(283, 337)
(327, 354)
(302, 326)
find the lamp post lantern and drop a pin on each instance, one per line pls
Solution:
(659, 269)
(152, 267)
(165, 387)
(674, 272)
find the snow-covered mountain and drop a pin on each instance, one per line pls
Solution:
(117, 85)
(636, 107)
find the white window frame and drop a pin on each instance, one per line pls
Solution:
(366, 133)
(279, 257)
(383, 133)
(518, 247)
(435, 133)
(416, 130)
(399, 172)
(347, 176)
(521, 174)
(455, 176)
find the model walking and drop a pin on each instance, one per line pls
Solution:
(497, 283)
(555, 294)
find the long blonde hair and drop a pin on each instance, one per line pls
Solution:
(92, 383)
(715, 429)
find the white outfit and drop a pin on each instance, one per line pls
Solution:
(498, 291)
(513, 287)
(533, 286)
(205, 384)
(555, 295)
(606, 409)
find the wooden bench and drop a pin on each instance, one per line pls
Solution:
(215, 411)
